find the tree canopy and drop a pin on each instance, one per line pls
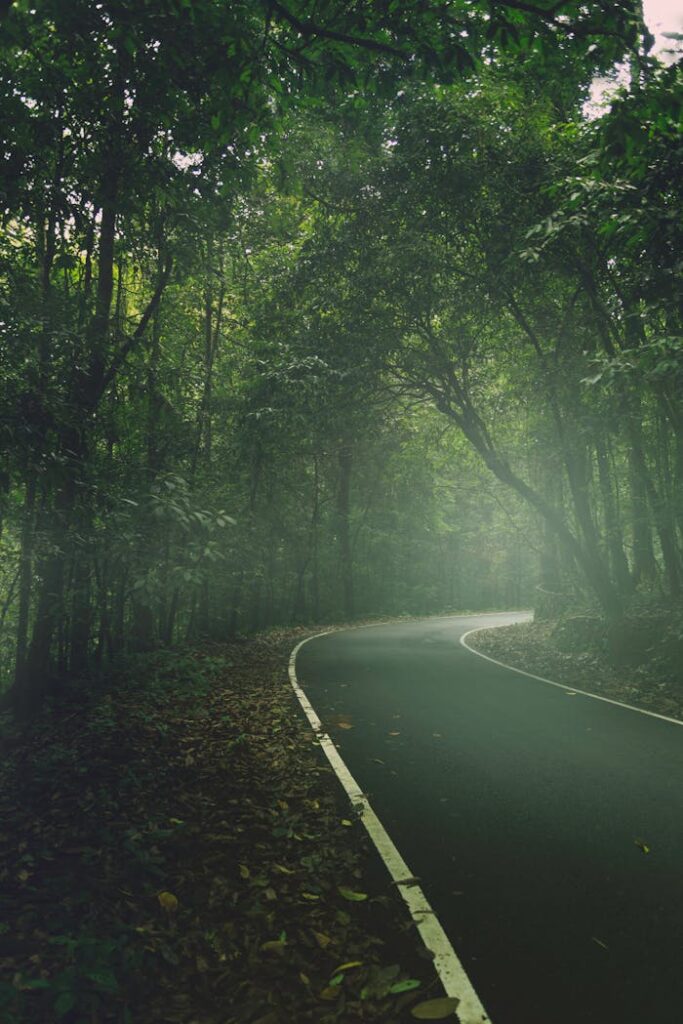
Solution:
(318, 311)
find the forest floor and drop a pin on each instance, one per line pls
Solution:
(574, 651)
(174, 848)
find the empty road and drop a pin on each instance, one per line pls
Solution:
(526, 813)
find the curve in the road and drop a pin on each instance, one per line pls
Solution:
(447, 965)
(547, 830)
(562, 686)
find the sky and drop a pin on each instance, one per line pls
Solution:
(663, 16)
(660, 16)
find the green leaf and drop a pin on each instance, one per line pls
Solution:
(34, 983)
(349, 894)
(407, 985)
(435, 1009)
(64, 1002)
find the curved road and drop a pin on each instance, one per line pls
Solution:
(524, 811)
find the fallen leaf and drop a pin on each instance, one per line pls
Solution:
(168, 901)
(599, 942)
(642, 845)
(349, 894)
(435, 1009)
(273, 946)
(329, 993)
(322, 939)
(244, 871)
(344, 725)
(282, 869)
(348, 966)
(394, 733)
(407, 985)
(345, 821)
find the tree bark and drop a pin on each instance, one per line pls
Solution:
(345, 460)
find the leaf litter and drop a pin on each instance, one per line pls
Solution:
(171, 852)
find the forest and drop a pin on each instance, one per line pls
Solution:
(292, 332)
(317, 313)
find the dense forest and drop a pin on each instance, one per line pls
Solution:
(315, 312)
(318, 314)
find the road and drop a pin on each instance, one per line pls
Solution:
(525, 812)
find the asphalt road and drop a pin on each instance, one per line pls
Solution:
(523, 810)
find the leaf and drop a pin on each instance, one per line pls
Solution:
(322, 939)
(349, 894)
(642, 845)
(168, 901)
(33, 983)
(329, 993)
(275, 946)
(244, 872)
(379, 981)
(65, 1002)
(348, 966)
(435, 1009)
(407, 985)
(344, 725)
(345, 821)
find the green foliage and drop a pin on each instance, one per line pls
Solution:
(250, 257)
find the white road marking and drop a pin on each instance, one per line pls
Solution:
(570, 690)
(446, 963)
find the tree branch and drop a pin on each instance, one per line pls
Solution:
(310, 28)
(131, 340)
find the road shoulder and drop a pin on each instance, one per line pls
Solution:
(543, 650)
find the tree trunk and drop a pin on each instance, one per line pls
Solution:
(25, 578)
(592, 565)
(344, 529)
(613, 531)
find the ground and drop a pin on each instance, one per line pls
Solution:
(176, 849)
(644, 666)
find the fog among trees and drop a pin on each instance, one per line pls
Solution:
(319, 312)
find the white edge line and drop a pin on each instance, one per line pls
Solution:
(560, 686)
(446, 963)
